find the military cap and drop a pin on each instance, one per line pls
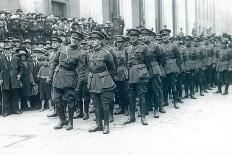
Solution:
(56, 39)
(40, 43)
(147, 32)
(188, 38)
(224, 41)
(27, 41)
(10, 38)
(196, 39)
(122, 38)
(21, 51)
(158, 37)
(96, 34)
(106, 36)
(77, 35)
(13, 17)
(48, 42)
(133, 32)
(177, 38)
(64, 19)
(16, 40)
(38, 51)
(165, 31)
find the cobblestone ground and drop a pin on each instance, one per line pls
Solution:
(199, 127)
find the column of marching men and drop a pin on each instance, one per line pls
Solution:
(141, 71)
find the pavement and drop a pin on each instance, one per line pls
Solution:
(199, 127)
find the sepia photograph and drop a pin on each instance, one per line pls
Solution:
(115, 77)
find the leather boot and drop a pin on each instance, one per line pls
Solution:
(132, 114)
(126, 112)
(106, 115)
(162, 110)
(201, 93)
(156, 112)
(143, 111)
(63, 121)
(98, 126)
(111, 117)
(226, 90)
(175, 101)
(54, 113)
(86, 116)
(70, 118)
(219, 90)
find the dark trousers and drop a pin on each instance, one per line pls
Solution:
(121, 95)
(170, 83)
(10, 100)
(83, 99)
(101, 102)
(137, 90)
(190, 82)
(179, 86)
(154, 92)
(63, 96)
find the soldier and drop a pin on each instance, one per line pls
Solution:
(100, 82)
(171, 67)
(107, 46)
(55, 41)
(154, 57)
(121, 76)
(136, 55)
(63, 73)
(83, 98)
(224, 66)
(191, 59)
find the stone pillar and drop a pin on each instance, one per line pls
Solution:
(180, 16)
(126, 13)
(150, 14)
(167, 14)
(191, 18)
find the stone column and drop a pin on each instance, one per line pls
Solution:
(126, 13)
(167, 14)
(180, 16)
(150, 14)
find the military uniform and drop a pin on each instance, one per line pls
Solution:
(100, 82)
(64, 75)
(154, 58)
(136, 55)
(171, 68)
(121, 77)
(223, 67)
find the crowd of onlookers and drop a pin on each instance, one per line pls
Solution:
(39, 27)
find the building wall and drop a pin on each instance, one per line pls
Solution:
(180, 16)
(11, 5)
(126, 12)
(167, 14)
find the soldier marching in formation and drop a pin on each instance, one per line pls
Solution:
(75, 64)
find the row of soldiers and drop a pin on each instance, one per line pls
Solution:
(141, 68)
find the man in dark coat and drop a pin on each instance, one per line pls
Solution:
(100, 82)
(154, 57)
(121, 76)
(64, 76)
(136, 56)
(11, 72)
(171, 67)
